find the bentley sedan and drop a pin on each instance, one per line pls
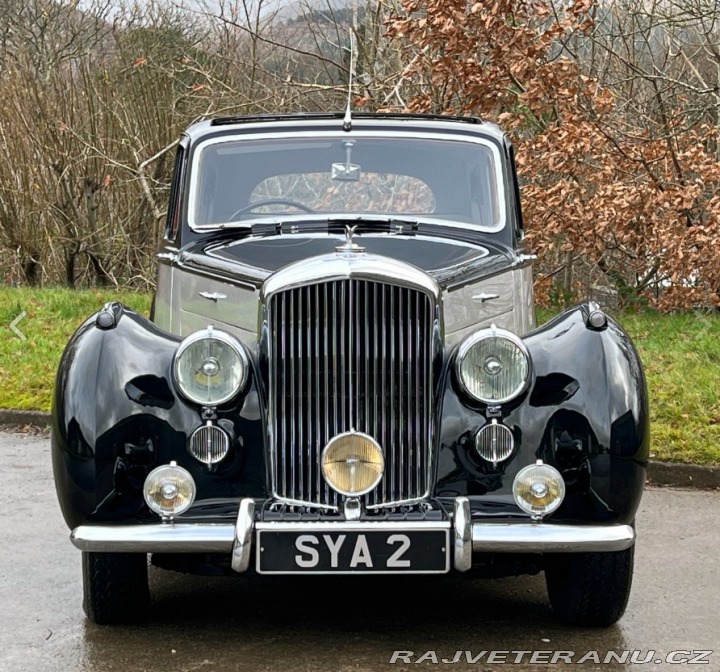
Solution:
(342, 374)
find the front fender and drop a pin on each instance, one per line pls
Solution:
(585, 413)
(116, 416)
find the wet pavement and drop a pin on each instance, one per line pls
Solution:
(340, 624)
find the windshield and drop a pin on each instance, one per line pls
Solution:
(242, 180)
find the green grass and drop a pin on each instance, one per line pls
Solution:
(681, 354)
(27, 368)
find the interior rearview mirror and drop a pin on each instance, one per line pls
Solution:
(345, 172)
(348, 171)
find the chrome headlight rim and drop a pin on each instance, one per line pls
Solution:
(210, 333)
(484, 334)
(331, 444)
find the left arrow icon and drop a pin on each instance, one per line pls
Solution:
(14, 327)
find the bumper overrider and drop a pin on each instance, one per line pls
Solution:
(464, 535)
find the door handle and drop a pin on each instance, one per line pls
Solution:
(483, 297)
(213, 296)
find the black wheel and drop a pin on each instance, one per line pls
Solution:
(590, 588)
(270, 201)
(115, 587)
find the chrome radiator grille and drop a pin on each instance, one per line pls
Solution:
(350, 354)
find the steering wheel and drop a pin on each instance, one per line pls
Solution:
(270, 201)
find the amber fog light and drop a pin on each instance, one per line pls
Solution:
(352, 463)
(169, 490)
(539, 489)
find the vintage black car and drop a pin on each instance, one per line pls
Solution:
(342, 374)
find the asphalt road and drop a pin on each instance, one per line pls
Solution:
(342, 624)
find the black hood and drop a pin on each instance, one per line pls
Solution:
(450, 261)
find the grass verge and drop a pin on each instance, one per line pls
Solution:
(681, 355)
(27, 368)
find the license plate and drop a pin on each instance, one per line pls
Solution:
(352, 551)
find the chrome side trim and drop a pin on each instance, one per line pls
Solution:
(154, 538)
(549, 538)
(462, 535)
(242, 546)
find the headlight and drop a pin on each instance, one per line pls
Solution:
(169, 490)
(493, 366)
(352, 463)
(539, 489)
(210, 367)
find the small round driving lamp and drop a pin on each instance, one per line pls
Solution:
(169, 490)
(352, 463)
(493, 366)
(539, 489)
(210, 367)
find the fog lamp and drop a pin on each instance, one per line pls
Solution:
(169, 490)
(539, 489)
(494, 442)
(352, 463)
(209, 444)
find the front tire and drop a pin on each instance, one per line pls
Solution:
(590, 588)
(115, 587)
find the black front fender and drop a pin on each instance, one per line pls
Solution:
(586, 413)
(116, 416)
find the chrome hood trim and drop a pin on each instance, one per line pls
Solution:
(350, 265)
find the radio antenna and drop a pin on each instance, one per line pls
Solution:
(347, 120)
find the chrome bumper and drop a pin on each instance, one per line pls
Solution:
(468, 537)
(174, 537)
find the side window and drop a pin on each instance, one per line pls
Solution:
(519, 227)
(173, 214)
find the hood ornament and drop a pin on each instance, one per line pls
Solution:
(350, 246)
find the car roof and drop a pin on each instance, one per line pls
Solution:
(334, 122)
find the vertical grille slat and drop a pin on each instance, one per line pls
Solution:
(378, 411)
(351, 354)
(417, 408)
(319, 337)
(392, 467)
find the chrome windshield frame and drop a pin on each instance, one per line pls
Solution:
(500, 178)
